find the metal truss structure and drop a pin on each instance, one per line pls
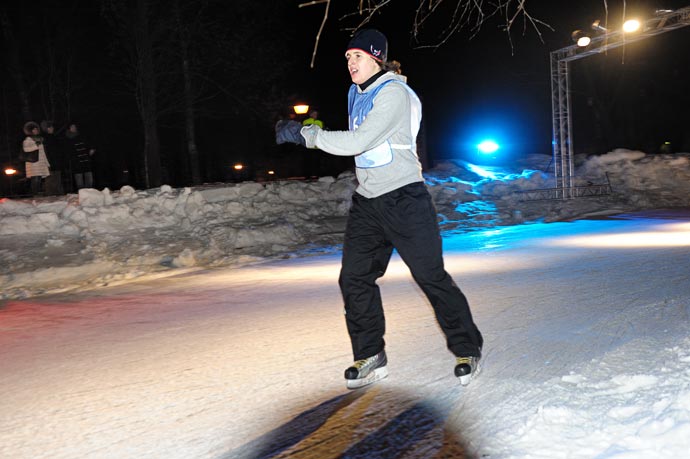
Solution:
(575, 191)
(560, 90)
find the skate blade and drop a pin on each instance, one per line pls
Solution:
(372, 377)
(465, 379)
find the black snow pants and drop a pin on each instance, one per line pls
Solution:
(404, 219)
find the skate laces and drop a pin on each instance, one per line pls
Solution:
(367, 363)
(359, 364)
(465, 361)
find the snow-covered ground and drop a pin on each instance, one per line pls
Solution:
(231, 342)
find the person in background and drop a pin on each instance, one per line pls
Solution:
(81, 157)
(37, 171)
(52, 147)
(313, 119)
(391, 209)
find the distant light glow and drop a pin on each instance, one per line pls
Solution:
(674, 235)
(271, 172)
(10, 171)
(238, 167)
(487, 146)
(631, 25)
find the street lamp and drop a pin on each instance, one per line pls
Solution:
(301, 109)
(11, 172)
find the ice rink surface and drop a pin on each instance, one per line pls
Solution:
(587, 354)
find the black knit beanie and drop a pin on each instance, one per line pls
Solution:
(372, 42)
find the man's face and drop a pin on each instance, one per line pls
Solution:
(360, 65)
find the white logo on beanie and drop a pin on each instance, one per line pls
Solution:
(374, 52)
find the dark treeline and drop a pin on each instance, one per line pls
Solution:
(167, 91)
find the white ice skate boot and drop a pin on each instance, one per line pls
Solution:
(366, 371)
(466, 368)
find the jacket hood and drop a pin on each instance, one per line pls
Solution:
(30, 126)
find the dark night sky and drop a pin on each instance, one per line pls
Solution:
(479, 86)
(470, 86)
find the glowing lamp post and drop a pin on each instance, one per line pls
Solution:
(301, 109)
(11, 172)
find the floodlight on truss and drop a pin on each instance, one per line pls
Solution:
(596, 25)
(581, 38)
(560, 85)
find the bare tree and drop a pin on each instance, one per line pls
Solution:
(185, 33)
(138, 34)
(449, 17)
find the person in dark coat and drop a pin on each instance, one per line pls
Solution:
(80, 156)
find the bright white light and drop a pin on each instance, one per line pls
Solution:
(238, 167)
(583, 41)
(487, 146)
(631, 25)
(10, 171)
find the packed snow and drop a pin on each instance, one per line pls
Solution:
(206, 322)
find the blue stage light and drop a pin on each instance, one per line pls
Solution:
(488, 146)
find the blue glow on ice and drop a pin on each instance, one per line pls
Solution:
(480, 171)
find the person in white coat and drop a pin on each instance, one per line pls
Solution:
(39, 170)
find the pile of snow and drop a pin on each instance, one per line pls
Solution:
(101, 237)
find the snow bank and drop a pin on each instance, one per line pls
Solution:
(107, 236)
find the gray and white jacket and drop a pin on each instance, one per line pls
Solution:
(393, 122)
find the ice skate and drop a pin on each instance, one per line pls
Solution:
(366, 371)
(466, 368)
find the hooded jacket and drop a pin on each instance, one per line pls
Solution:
(388, 130)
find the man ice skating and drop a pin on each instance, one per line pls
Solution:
(391, 208)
